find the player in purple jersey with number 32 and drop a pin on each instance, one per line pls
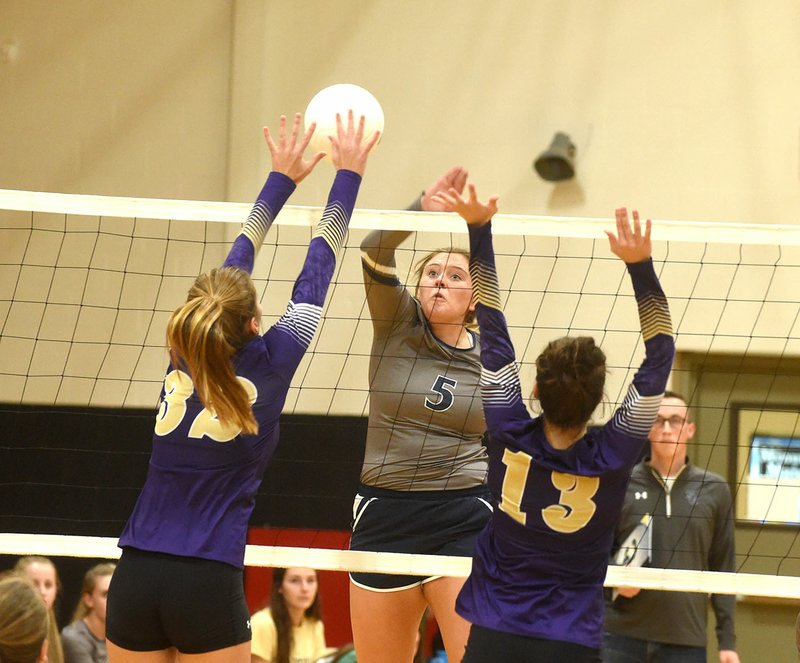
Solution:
(535, 590)
(178, 586)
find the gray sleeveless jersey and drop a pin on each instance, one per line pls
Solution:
(425, 417)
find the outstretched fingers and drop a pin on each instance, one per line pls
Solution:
(449, 200)
(629, 243)
(296, 128)
(455, 177)
(472, 210)
(287, 151)
(349, 150)
(459, 178)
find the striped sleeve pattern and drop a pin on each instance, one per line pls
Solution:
(312, 284)
(654, 316)
(300, 322)
(332, 227)
(274, 194)
(637, 413)
(639, 409)
(258, 223)
(485, 287)
(500, 389)
(301, 318)
(497, 351)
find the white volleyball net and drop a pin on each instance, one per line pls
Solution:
(87, 283)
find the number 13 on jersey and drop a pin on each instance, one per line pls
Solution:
(575, 507)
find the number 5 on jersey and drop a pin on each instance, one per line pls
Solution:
(444, 388)
(575, 507)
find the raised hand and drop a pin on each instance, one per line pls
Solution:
(629, 243)
(349, 150)
(455, 178)
(474, 212)
(287, 153)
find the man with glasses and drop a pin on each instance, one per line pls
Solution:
(676, 516)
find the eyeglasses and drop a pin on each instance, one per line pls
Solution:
(675, 421)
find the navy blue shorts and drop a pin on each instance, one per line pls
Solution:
(431, 523)
(157, 601)
(486, 645)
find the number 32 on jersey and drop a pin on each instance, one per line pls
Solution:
(575, 507)
(178, 387)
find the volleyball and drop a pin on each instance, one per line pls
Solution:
(340, 98)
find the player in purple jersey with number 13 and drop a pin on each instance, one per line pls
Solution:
(535, 592)
(178, 586)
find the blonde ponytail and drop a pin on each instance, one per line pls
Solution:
(205, 333)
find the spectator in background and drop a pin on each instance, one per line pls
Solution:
(84, 640)
(690, 527)
(23, 622)
(290, 630)
(43, 574)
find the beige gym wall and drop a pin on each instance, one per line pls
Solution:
(115, 98)
(686, 109)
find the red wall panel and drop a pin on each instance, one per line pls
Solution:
(333, 585)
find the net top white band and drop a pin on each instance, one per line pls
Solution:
(746, 584)
(293, 215)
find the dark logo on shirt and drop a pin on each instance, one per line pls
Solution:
(443, 387)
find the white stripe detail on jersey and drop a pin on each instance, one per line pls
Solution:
(386, 271)
(257, 224)
(500, 388)
(359, 507)
(654, 316)
(485, 286)
(389, 590)
(637, 413)
(332, 227)
(300, 321)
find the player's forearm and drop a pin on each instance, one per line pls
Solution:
(378, 253)
(270, 201)
(501, 391)
(496, 347)
(385, 291)
(329, 236)
(656, 324)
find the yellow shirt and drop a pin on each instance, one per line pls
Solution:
(308, 639)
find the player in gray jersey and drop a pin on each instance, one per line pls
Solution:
(423, 479)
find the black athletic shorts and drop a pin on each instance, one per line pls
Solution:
(485, 645)
(157, 601)
(428, 523)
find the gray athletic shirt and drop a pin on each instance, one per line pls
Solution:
(426, 422)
